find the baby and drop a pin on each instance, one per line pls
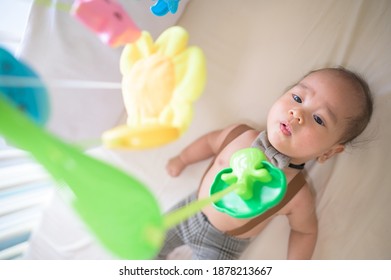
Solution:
(313, 120)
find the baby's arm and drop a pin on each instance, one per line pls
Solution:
(304, 226)
(202, 148)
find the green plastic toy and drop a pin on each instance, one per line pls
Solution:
(255, 185)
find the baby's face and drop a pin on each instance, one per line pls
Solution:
(310, 118)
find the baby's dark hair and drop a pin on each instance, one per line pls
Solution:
(357, 124)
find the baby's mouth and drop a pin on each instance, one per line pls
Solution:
(286, 129)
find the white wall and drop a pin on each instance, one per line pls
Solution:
(13, 15)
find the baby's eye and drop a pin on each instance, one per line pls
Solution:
(318, 120)
(296, 98)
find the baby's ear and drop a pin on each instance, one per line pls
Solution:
(339, 148)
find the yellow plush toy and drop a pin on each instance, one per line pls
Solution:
(160, 82)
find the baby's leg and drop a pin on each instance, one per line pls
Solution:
(176, 236)
(172, 241)
(212, 244)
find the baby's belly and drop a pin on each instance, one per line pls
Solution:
(224, 222)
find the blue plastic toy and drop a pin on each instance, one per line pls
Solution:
(23, 87)
(162, 7)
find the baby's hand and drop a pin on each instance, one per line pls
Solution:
(175, 166)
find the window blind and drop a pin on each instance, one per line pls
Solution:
(25, 187)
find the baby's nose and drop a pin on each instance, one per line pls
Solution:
(297, 114)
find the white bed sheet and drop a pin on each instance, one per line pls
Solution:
(254, 51)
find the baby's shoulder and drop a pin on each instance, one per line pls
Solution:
(235, 130)
(244, 133)
(237, 135)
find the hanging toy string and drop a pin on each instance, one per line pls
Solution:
(63, 7)
(27, 82)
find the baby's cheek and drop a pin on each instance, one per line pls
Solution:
(313, 144)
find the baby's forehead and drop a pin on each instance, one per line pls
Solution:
(337, 76)
(335, 88)
(336, 80)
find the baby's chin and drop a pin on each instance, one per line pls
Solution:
(280, 143)
(289, 149)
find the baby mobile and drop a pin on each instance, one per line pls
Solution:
(160, 81)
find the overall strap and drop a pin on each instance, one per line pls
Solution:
(293, 188)
(240, 129)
